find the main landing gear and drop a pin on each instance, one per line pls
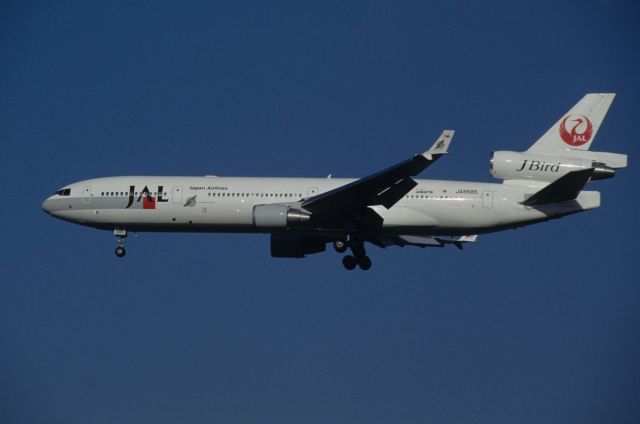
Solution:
(121, 235)
(359, 257)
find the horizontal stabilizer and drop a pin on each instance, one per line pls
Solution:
(563, 189)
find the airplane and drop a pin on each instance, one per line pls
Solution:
(386, 208)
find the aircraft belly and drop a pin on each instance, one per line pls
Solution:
(227, 214)
(439, 214)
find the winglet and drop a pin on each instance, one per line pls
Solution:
(441, 144)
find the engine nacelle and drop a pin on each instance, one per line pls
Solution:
(526, 166)
(296, 245)
(278, 216)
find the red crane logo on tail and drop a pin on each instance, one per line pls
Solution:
(580, 132)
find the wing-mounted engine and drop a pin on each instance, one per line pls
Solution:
(278, 216)
(507, 165)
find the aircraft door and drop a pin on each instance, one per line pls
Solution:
(86, 195)
(487, 199)
(312, 191)
(176, 194)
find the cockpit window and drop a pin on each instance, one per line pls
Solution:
(64, 192)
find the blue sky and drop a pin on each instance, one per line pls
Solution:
(536, 325)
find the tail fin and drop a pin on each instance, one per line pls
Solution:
(577, 128)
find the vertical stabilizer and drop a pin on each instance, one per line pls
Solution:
(577, 128)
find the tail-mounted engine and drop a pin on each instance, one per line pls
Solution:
(278, 216)
(526, 166)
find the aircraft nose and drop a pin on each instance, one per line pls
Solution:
(47, 206)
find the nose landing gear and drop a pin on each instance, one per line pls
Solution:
(121, 235)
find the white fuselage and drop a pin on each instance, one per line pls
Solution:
(386, 208)
(226, 204)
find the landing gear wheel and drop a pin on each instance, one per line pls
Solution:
(121, 236)
(364, 263)
(340, 246)
(349, 262)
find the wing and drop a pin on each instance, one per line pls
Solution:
(382, 188)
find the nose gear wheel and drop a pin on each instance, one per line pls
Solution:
(121, 236)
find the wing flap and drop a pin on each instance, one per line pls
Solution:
(391, 195)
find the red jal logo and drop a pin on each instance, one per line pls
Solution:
(580, 132)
